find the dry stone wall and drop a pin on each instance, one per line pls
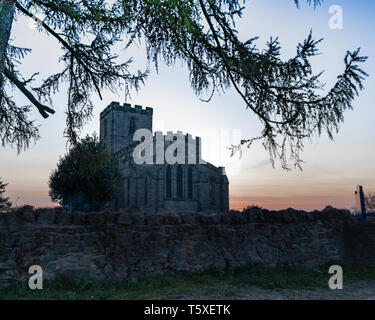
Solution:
(113, 245)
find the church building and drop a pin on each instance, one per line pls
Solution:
(194, 185)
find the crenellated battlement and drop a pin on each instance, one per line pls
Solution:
(170, 135)
(126, 107)
(118, 123)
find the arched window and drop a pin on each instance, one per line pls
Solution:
(128, 191)
(190, 183)
(105, 127)
(168, 182)
(132, 126)
(212, 192)
(147, 182)
(124, 194)
(179, 182)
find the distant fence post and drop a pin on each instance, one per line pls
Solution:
(360, 201)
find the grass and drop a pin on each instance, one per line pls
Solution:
(216, 283)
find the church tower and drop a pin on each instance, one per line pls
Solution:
(160, 187)
(118, 124)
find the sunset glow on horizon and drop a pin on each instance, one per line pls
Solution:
(332, 169)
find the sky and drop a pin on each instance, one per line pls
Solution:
(332, 169)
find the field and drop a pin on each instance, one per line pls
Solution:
(253, 282)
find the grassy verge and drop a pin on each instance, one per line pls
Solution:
(216, 283)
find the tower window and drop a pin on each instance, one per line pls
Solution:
(168, 178)
(179, 182)
(128, 190)
(147, 182)
(190, 183)
(105, 127)
(212, 192)
(132, 126)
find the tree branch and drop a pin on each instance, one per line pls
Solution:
(262, 116)
(6, 20)
(44, 110)
(64, 43)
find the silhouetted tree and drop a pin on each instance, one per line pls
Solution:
(5, 204)
(87, 177)
(286, 96)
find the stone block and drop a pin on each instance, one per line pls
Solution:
(286, 217)
(210, 218)
(138, 218)
(96, 218)
(251, 216)
(260, 216)
(172, 218)
(124, 219)
(310, 217)
(227, 218)
(154, 219)
(14, 220)
(79, 218)
(112, 217)
(188, 217)
(28, 214)
(46, 216)
(272, 217)
(65, 218)
(238, 218)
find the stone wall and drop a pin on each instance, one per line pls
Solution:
(116, 244)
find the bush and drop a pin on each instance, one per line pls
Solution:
(5, 204)
(87, 177)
